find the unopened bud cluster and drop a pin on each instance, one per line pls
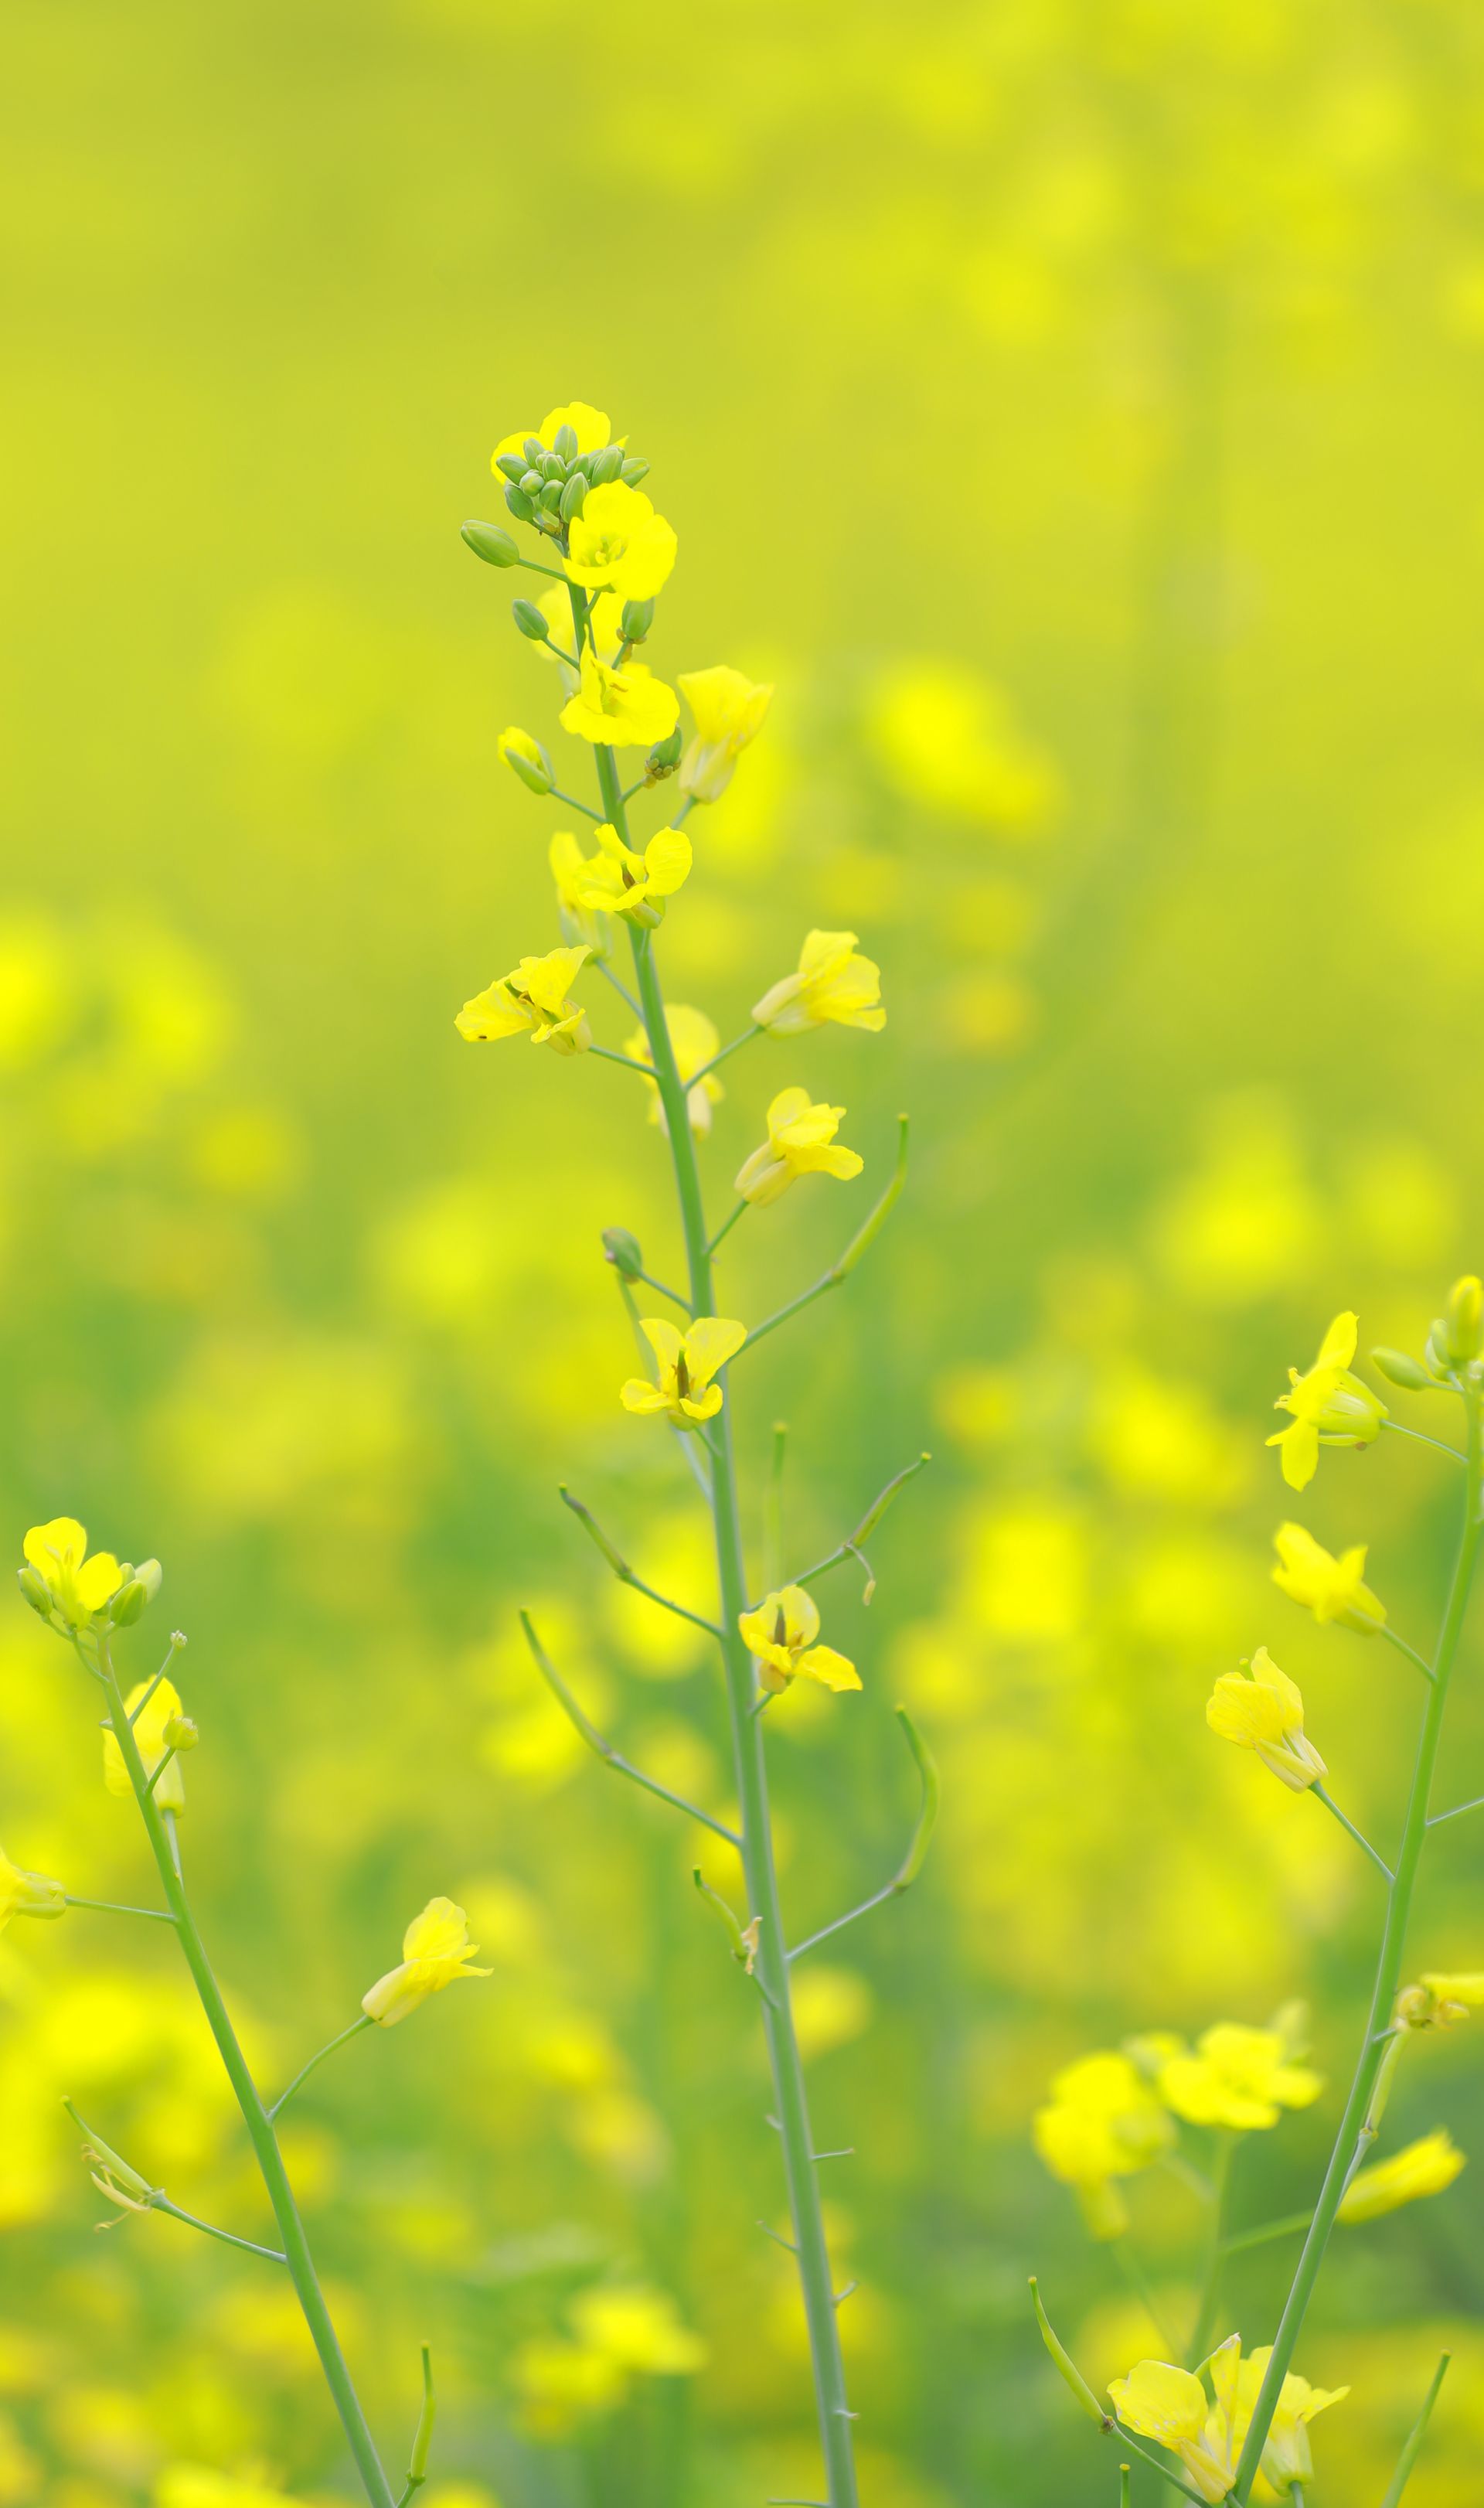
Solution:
(1453, 1346)
(548, 485)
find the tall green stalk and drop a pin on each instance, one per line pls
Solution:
(255, 2116)
(1349, 2139)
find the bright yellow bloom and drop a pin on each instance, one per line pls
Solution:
(1239, 2077)
(1425, 2167)
(617, 880)
(728, 711)
(687, 1363)
(639, 2328)
(1332, 1589)
(693, 1041)
(781, 1633)
(531, 999)
(625, 709)
(525, 758)
(28, 1894)
(77, 1588)
(436, 1952)
(619, 543)
(1287, 2458)
(1102, 2122)
(801, 1141)
(1261, 1709)
(590, 427)
(150, 1735)
(1169, 2404)
(1330, 1405)
(832, 983)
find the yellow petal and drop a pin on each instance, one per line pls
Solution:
(709, 1344)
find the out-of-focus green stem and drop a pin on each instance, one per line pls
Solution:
(362, 2021)
(1413, 2448)
(1210, 2288)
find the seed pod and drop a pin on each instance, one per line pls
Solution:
(488, 541)
(529, 619)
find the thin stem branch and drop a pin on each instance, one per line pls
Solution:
(1421, 1437)
(362, 2021)
(621, 1569)
(1321, 1794)
(605, 1054)
(1457, 1811)
(736, 1045)
(570, 802)
(209, 2230)
(618, 983)
(858, 1244)
(676, 1297)
(1410, 1652)
(727, 1226)
(160, 1767)
(605, 1748)
(422, 2441)
(772, 1509)
(916, 1852)
(110, 1907)
(1270, 2229)
(872, 1517)
(1129, 2265)
(1413, 2448)
(1210, 2288)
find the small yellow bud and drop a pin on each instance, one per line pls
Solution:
(527, 758)
(139, 1589)
(1463, 1322)
(180, 1733)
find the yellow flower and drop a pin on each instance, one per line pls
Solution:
(1332, 1589)
(66, 1586)
(436, 1952)
(1286, 2456)
(1465, 1986)
(693, 1041)
(1425, 2167)
(580, 925)
(533, 998)
(639, 2328)
(832, 983)
(625, 709)
(28, 1894)
(149, 1722)
(801, 1141)
(1261, 1709)
(525, 758)
(1239, 2077)
(687, 1363)
(782, 1632)
(619, 542)
(1102, 2122)
(590, 427)
(728, 711)
(617, 880)
(1169, 2404)
(1330, 1405)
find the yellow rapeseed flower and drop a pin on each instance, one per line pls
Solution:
(1463, 1986)
(801, 1141)
(728, 711)
(590, 427)
(693, 1041)
(1286, 2456)
(1239, 2077)
(436, 1952)
(638, 2327)
(687, 1363)
(623, 709)
(1332, 1589)
(618, 544)
(782, 1633)
(532, 999)
(1424, 2168)
(28, 1894)
(1169, 2404)
(1102, 2121)
(149, 1722)
(75, 1588)
(525, 758)
(1330, 1405)
(617, 880)
(1261, 1709)
(832, 982)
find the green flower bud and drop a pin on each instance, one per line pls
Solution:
(665, 758)
(565, 442)
(550, 498)
(180, 1733)
(633, 470)
(583, 466)
(527, 758)
(1399, 1369)
(573, 496)
(529, 619)
(606, 465)
(535, 451)
(1465, 1325)
(621, 1250)
(552, 468)
(137, 1591)
(636, 622)
(511, 466)
(1436, 1349)
(532, 483)
(488, 541)
(520, 504)
(34, 1588)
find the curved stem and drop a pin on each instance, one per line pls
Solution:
(1348, 1826)
(361, 2022)
(1419, 1437)
(209, 2230)
(1420, 1660)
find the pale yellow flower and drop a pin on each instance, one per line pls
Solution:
(625, 708)
(77, 1588)
(1424, 2168)
(618, 544)
(152, 1741)
(436, 1952)
(832, 983)
(532, 999)
(1239, 2077)
(728, 712)
(693, 1041)
(1330, 1405)
(687, 1363)
(1169, 2404)
(801, 1141)
(28, 1894)
(1102, 2121)
(1286, 2456)
(782, 1633)
(1332, 1589)
(1463, 1986)
(618, 881)
(1262, 1710)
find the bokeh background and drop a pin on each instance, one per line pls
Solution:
(1073, 406)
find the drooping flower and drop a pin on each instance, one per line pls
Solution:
(1169, 2404)
(687, 1363)
(590, 427)
(525, 758)
(28, 1894)
(1239, 2077)
(1332, 1589)
(532, 999)
(625, 708)
(1330, 1405)
(618, 544)
(728, 712)
(1102, 2122)
(618, 881)
(801, 1141)
(151, 1740)
(782, 1633)
(695, 1042)
(64, 1584)
(1261, 1709)
(1424, 2168)
(833, 982)
(1287, 2455)
(436, 1952)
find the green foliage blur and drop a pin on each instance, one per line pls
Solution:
(1073, 406)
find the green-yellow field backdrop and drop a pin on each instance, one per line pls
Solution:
(1074, 407)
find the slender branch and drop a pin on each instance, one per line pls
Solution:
(621, 1569)
(916, 1853)
(160, 1767)
(605, 1054)
(209, 2230)
(1410, 1652)
(872, 1517)
(1363, 1842)
(605, 1748)
(422, 2441)
(858, 1244)
(618, 983)
(738, 1042)
(1413, 2448)
(570, 803)
(361, 2022)
(1457, 1811)
(1210, 2288)
(110, 1907)
(1270, 2229)
(1122, 2251)
(727, 1226)
(676, 1297)
(772, 1509)
(1421, 1437)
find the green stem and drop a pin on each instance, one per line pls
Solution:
(209, 2230)
(1418, 1661)
(1270, 2229)
(1413, 2448)
(1137, 2281)
(1211, 2289)
(361, 2021)
(1421, 1437)
(296, 2246)
(1388, 1967)
(1348, 1826)
(110, 1907)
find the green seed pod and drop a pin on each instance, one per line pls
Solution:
(488, 541)
(621, 1250)
(633, 470)
(565, 442)
(636, 622)
(520, 504)
(572, 496)
(511, 466)
(606, 465)
(529, 619)
(1465, 1318)
(1399, 1369)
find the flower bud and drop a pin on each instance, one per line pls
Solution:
(1465, 1318)
(520, 504)
(136, 1593)
(1399, 1369)
(527, 758)
(633, 470)
(664, 757)
(180, 1733)
(535, 451)
(98, 2153)
(553, 469)
(532, 483)
(550, 500)
(573, 496)
(34, 1588)
(636, 622)
(565, 442)
(529, 619)
(606, 465)
(488, 541)
(621, 1250)
(510, 466)
(1436, 1349)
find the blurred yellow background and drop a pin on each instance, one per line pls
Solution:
(1073, 406)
